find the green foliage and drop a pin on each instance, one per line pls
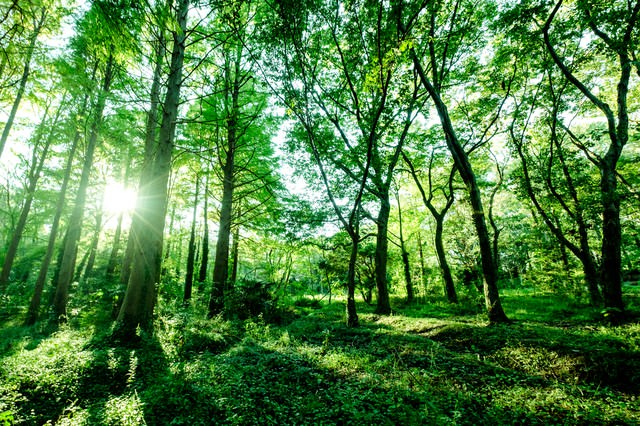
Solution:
(431, 364)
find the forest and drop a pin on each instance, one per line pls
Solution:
(327, 212)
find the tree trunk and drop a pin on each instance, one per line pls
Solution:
(37, 164)
(382, 249)
(611, 269)
(75, 221)
(235, 249)
(34, 306)
(352, 315)
(204, 263)
(23, 80)
(139, 300)
(489, 268)
(149, 152)
(88, 271)
(115, 245)
(449, 287)
(221, 263)
(188, 280)
(405, 255)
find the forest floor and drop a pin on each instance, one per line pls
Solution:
(428, 364)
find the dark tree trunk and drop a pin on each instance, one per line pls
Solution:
(489, 268)
(139, 300)
(204, 263)
(383, 306)
(75, 222)
(449, 286)
(188, 280)
(405, 255)
(235, 249)
(352, 315)
(221, 262)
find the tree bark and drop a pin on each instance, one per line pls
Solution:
(405, 255)
(221, 262)
(449, 286)
(191, 254)
(352, 315)
(204, 261)
(235, 249)
(139, 300)
(383, 306)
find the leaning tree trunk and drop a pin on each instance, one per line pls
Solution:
(37, 164)
(489, 268)
(34, 306)
(139, 300)
(75, 221)
(23, 80)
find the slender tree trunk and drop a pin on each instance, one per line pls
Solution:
(489, 268)
(221, 263)
(34, 176)
(449, 287)
(204, 263)
(423, 278)
(34, 306)
(405, 254)
(88, 271)
(382, 249)
(352, 315)
(24, 79)
(151, 130)
(115, 245)
(188, 280)
(139, 300)
(235, 249)
(75, 221)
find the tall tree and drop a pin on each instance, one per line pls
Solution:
(450, 27)
(191, 254)
(614, 28)
(38, 16)
(140, 297)
(39, 156)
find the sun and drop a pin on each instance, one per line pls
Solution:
(118, 199)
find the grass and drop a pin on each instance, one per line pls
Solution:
(432, 364)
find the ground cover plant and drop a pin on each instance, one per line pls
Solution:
(425, 364)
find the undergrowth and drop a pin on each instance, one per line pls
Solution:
(432, 364)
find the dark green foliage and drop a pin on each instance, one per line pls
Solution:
(433, 364)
